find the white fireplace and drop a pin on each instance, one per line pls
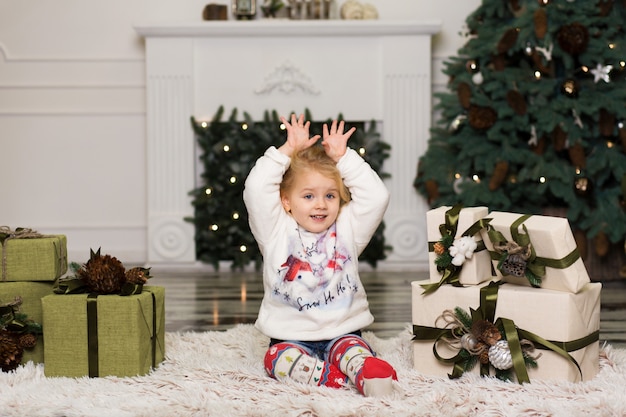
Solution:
(365, 70)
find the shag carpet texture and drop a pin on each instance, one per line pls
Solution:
(221, 374)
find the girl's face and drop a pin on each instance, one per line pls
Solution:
(313, 201)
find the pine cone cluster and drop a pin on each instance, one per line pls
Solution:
(105, 274)
(12, 347)
(487, 335)
(10, 351)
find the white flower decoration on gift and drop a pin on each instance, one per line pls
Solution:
(463, 248)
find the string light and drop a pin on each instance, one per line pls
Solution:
(362, 151)
(542, 180)
(476, 178)
(243, 248)
(208, 191)
(214, 227)
(282, 126)
(226, 148)
(204, 125)
(233, 179)
(235, 216)
(244, 126)
(457, 175)
(538, 75)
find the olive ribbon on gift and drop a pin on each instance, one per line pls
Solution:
(450, 273)
(92, 334)
(535, 267)
(513, 336)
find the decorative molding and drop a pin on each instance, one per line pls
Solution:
(8, 57)
(287, 78)
(171, 239)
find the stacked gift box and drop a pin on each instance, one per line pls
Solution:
(507, 296)
(31, 262)
(99, 322)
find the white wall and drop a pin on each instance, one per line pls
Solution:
(72, 112)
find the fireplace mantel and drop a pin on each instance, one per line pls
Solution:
(366, 70)
(280, 27)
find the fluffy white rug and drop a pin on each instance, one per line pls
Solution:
(221, 374)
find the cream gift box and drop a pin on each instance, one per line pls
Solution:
(555, 315)
(474, 270)
(552, 241)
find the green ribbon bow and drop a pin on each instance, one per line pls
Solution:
(450, 273)
(535, 265)
(512, 334)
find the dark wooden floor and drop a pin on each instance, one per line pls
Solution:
(207, 300)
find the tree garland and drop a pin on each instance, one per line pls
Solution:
(228, 150)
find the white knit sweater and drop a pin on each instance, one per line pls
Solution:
(300, 304)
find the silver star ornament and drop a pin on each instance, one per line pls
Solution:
(602, 73)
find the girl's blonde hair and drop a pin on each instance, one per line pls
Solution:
(314, 158)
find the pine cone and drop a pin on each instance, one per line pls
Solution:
(27, 340)
(482, 118)
(486, 332)
(483, 356)
(438, 248)
(138, 275)
(464, 94)
(508, 40)
(573, 38)
(10, 352)
(103, 274)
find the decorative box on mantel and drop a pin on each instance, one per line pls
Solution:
(383, 74)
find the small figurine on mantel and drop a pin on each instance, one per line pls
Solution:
(312, 9)
(275, 9)
(354, 10)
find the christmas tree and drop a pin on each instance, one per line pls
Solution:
(534, 116)
(228, 150)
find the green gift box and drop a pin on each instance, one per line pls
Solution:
(31, 294)
(100, 335)
(34, 258)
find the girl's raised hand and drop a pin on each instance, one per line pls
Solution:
(297, 135)
(335, 142)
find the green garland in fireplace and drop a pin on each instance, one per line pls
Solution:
(228, 150)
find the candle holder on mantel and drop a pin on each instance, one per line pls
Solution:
(244, 9)
(311, 9)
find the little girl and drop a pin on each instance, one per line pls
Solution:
(312, 210)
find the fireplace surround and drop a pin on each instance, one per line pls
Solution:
(365, 70)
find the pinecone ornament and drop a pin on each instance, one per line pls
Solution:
(486, 332)
(500, 355)
(438, 248)
(10, 352)
(27, 340)
(102, 274)
(514, 265)
(138, 275)
(483, 356)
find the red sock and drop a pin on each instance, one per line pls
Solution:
(372, 376)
